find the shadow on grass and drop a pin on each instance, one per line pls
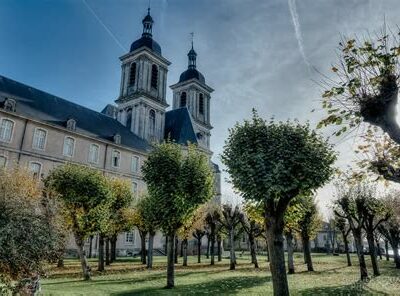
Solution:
(225, 286)
(357, 288)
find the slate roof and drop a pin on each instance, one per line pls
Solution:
(146, 42)
(190, 74)
(42, 106)
(178, 126)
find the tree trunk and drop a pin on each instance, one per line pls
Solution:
(346, 249)
(100, 265)
(184, 251)
(277, 255)
(114, 247)
(396, 255)
(290, 251)
(208, 247)
(219, 248)
(253, 250)
(143, 246)
(107, 251)
(232, 249)
(212, 249)
(307, 253)
(150, 251)
(372, 252)
(176, 250)
(360, 254)
(198, 250)
(170, 261)
(90, 246)
(266, 243)
(387, 250)
(60, 262)
(82, 257)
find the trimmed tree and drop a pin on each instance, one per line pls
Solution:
(212, 220)
(179, 183)
(270, 163)
(342, 225)
(87, 198)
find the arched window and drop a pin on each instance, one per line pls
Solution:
(71, 124)
(10, 104)
(129, 118)
(154, 76)
(39, 139)
(132, 74)
(116, 158)
(6, 130)
(183, 99)
(35, 168)
(94, 153)
(69, 146)
(152, 123)
(201, 104)
(3, 161)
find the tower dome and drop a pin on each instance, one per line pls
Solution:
(147, 37)
(192, 72)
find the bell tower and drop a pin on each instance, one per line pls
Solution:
(142, 100)
(193, 93)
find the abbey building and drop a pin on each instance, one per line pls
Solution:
(42, 131)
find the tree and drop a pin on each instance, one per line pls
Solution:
(270, 163)
(179, 183)
(198, 234)
(121, 200)
(190, 226)
(148, 211)
(212, 218)
(292, 217)
(253, 226)
(365, 90)
(349, 205)
(230, 218)
(136, 219)
(344, 228)
(308, 225)
(87, 198)
(390, 229)
(24, 217)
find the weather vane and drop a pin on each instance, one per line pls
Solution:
(192, 36)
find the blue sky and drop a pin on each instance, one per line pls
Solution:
(250, 51)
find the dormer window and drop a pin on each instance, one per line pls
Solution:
(117, 139)
(10, 105)
(71, 124)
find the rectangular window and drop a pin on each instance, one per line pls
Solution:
(129, 237)
(94, 153)
(134, 189)
(6, 130)
(69, 146)
(39, 139)
(35, 168)
(116, 158)
(3, 161)
(135, 164)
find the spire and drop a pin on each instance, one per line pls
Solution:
(192, 55)
(147, 24)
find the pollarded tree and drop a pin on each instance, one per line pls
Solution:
(390, 229)
(308, 225)
(87, 199)
(349, 205)
(28, 237)
(194, 223)
(270, 163)
(148, 211)
(253, 228)
(136, 219)
(366, 90)
(231, 216)
(343, 226)
(212, 220)
(179, 183)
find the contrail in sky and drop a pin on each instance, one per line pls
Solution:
(297, 30)
(104, 26)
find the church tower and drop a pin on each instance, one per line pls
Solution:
(193, 93)
(142, 101)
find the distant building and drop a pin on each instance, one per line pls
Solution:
(42, 131)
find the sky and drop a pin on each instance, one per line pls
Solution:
(262, 54)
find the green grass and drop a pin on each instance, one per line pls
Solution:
(129, 277)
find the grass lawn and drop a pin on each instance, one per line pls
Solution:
(128, 277)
